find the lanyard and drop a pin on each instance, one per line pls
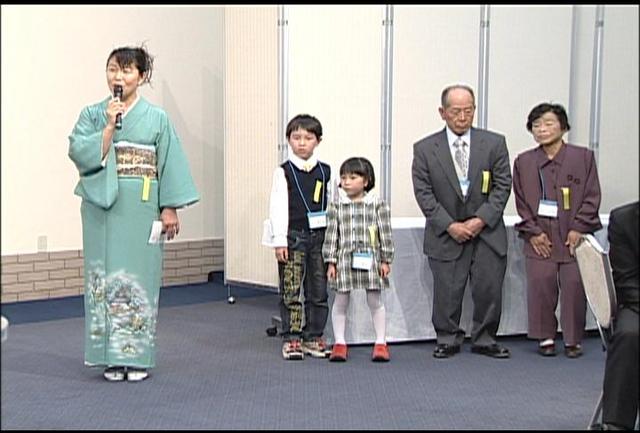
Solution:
(300, 189)
(544, 195)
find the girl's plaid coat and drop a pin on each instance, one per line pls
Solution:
(358, 226)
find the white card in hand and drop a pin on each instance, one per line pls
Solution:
(156, 235)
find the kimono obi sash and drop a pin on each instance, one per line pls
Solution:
(134, 159)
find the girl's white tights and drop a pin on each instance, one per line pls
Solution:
(339, 315)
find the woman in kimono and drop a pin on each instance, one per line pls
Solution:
(133, 172)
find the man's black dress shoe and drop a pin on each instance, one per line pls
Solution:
(445, 350)
(494, 350)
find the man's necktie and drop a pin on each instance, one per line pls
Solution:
(462, 156)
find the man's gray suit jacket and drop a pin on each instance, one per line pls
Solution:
(437, 191)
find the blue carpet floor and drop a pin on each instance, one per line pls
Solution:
(218, 370)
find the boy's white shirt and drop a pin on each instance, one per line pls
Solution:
(278, 222)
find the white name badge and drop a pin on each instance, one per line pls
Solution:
(464, 186)
(548, 208)
(362, 261)
(156, 236)
(317, 219)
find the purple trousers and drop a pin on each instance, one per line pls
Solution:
(546, 282)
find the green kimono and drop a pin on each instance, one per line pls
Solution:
(144, 171)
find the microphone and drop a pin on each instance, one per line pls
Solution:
(117, 93)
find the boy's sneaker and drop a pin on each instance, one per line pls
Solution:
(316, 347)
(136, 374)
(292, 350)
(339, 353)
(114, 374)
(380, 353)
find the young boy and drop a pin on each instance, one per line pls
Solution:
(297, 214)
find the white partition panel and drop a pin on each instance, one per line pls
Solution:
(536, 54)
(619, 137)
(434, 46)
(530, 63)
(251, 134)
(335, 70)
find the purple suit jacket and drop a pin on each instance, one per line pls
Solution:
(578, 172)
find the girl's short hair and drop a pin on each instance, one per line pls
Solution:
(361, 167)
(306, 122)
(539, 110)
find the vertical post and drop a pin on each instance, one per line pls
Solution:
(573, 85)
(283, 82)
(483, 67)
(596, 83)
(387, 93)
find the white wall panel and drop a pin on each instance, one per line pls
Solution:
(251, 111)
(335, 74)
(433, 47)
(53, 61)
(53, 64)
(619, 136)
(530, 58)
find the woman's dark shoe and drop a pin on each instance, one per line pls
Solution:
(573, 351)
(547, 349)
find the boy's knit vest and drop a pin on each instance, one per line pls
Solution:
(307, 181)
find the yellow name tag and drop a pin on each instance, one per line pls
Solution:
(316, 193)
(566, 198)
(486, 180)
(373, 230)
(146, 186)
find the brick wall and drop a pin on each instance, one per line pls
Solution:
(27, 277)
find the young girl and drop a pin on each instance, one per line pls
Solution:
(358, 248)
